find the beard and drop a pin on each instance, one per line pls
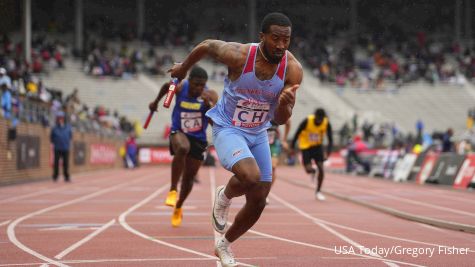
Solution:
(271, 58)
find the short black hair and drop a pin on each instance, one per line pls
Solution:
(275, 18)
(320, 113)
(198, 72)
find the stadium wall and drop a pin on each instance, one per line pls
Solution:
(30, 156)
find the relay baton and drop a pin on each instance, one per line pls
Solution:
(149, 117)
(171, 93)
(168, 101)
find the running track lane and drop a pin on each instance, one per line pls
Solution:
(294, 230)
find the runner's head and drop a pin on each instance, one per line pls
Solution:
(275, 34)
(319, 115)
(197, 79)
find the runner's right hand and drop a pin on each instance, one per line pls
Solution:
(153, 106)
(285, 146)
(177, 71)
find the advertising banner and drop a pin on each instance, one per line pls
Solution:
(28, 152)
(403, 167)
(446, 169)
(427, 166)
(79, 150)
(102, 154)
(466, 173)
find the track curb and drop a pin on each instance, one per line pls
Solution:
(394, 212)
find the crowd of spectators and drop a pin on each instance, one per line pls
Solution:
(388, 135)
(24, 97)
(384, 63)
(20, 105)
(175, 29)
(46, 55)
(103, 60)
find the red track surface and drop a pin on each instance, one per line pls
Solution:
(117, 217)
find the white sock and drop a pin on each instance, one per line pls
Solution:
(223, 198)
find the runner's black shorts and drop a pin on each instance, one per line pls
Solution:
(314, 152)
(197, 147)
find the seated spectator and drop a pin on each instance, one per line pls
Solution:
(59, 59)
(355, 148)
(37, 66)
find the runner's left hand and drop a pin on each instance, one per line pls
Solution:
(287, 96)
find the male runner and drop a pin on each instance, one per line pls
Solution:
(310, 134)
(188, 134)
(260, 86)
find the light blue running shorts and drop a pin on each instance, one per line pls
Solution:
(233, 145)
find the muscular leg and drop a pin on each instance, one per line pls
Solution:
(192, 167)
(309, 168)
(246, 181)
(181, 147)
(246, 175)
(321, 175)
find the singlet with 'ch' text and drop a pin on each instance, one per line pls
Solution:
(249, 103)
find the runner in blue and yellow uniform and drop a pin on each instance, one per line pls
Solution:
(188, 134)
(310, 135)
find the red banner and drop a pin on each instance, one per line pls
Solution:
(155, 155)
(102, 154)
(335, 161)
(426, 167)
(466, 173)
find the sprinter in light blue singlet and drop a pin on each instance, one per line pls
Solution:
(260, 86)
(244, 112)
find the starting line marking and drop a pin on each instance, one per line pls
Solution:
(11, 227)
(84, 240)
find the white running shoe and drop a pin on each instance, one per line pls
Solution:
(219, 215)
(320, 196)
(224, 253)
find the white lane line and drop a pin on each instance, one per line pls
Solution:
(11, 227)
(352, 242)
(123, 222)
(326, 248)
(390, 263)
(15, 198)
(341, 236)
(430, 227)
(426, 190)
(374, 233)
(329, 229)
(126, 260)
(84, 240)
(413, 201)
(5, 222)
